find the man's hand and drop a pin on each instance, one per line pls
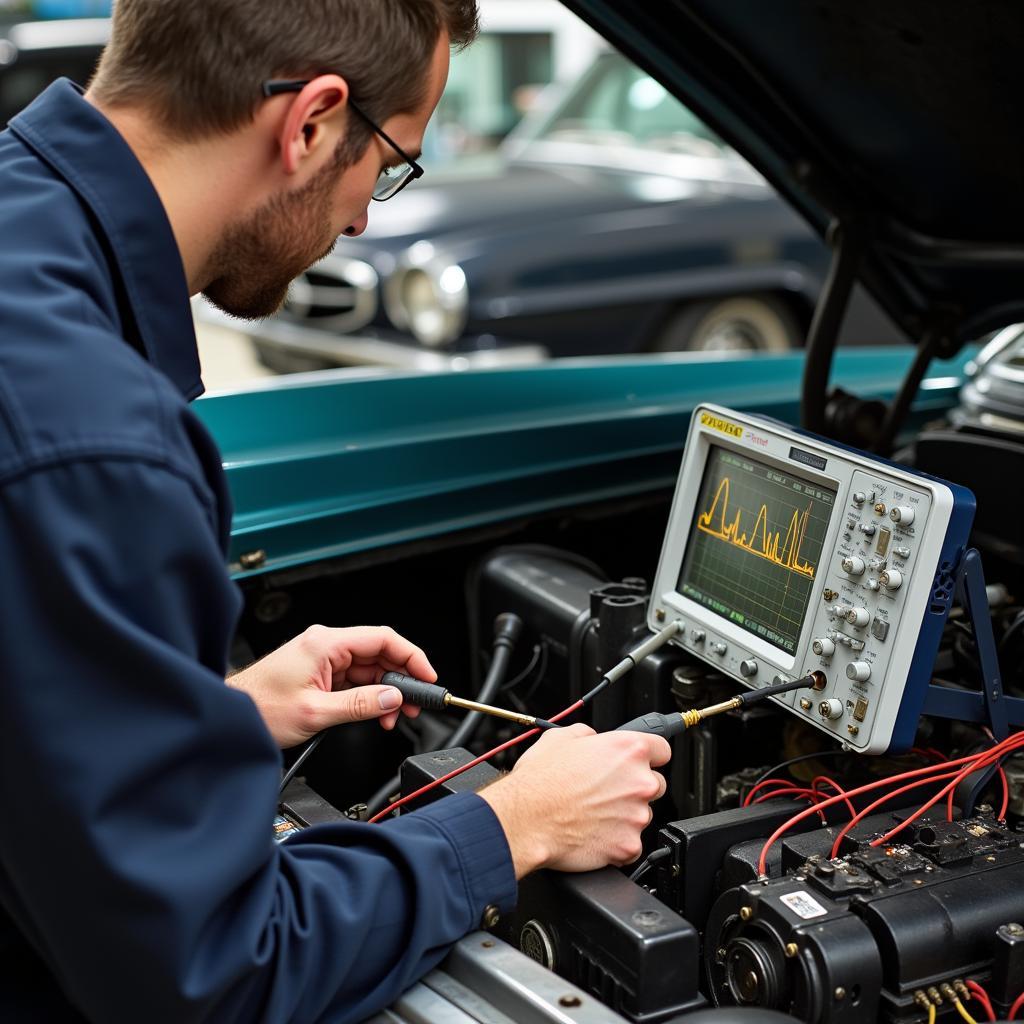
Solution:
(328, 676)
(579, 800)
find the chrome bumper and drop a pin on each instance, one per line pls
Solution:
(359, 350)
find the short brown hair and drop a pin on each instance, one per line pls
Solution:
(198, 64)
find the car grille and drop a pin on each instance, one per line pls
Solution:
(336, 294)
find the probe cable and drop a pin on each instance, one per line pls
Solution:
(973, 761)
(1017, 1004)
(628, 663)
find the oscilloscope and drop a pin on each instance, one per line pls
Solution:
(786, 553)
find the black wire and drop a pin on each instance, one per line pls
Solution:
(796, 760)
(649, 861)
(897, 411)
(512, 683)
(301, 759)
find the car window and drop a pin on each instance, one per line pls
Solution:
(619, 104)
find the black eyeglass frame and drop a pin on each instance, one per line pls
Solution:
(280, 86)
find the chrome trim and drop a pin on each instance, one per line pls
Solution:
(357, 350)
(987, 359)
(357, 288)
(452, 303)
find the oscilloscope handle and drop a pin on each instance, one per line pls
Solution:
(991, 706)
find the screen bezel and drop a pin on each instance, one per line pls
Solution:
(683, 522)
(759, 462)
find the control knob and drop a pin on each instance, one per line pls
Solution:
(891, 579)
(902, 514)
(697, 636)
(858, 671)
(823, 647)
(858, 617)
(853, 566)
(718, 648)
(868, 529)
(859, 497)
(831, 709)
(748, 667)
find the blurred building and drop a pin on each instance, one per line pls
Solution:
(524, 47)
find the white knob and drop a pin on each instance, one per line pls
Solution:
(891, 579)
(853, 566)
(831, 709)
(823, 647)
(859, 497)
(858, 617)
(859, 671)
(902, 514)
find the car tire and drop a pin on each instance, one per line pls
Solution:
(741, 323)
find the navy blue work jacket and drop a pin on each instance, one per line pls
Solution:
(138, 878)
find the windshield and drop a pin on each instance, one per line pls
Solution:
(616, 104)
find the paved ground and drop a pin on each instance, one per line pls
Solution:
(227, 358)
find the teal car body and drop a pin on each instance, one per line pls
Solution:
(328, 466)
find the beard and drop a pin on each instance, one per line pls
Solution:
(254, 263)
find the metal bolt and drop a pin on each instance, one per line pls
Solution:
(792, 949)
(659, 614)
(1014, 929)
(676, 871)
(746, 913)
(570, 1001)
(720, 954)
(252, 559)
(840, 993)
(990, 858)
(491, 917)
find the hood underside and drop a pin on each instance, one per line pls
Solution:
(900, 124)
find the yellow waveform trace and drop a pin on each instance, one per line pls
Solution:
(784, 551)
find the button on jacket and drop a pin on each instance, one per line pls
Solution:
(138, 877)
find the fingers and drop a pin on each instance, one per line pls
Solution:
(359, 704)
(377, 648)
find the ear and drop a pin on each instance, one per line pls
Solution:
(314, 121)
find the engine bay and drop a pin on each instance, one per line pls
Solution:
(845, 852)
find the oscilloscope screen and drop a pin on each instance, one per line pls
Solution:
(754, 545)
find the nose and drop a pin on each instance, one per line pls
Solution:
(357, 227)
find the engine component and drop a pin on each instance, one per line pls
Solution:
(853, 938)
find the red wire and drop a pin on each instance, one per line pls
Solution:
(1017, 1004)
(869, 787)
(982, 996)
(858, 818)
(472, 764)
(767, 782)
(796, 791)
(977, 762)
(1006, 794)
(835, 785)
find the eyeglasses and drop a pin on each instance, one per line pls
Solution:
(392, 179)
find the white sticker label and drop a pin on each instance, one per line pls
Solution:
(803, 904)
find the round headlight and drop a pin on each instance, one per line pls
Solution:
(430, 301)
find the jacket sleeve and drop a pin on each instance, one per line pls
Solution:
(144, 873)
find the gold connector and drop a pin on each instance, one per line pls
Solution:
(933, 995)
(922, 1000)
(961, 989)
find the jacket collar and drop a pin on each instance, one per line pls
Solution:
(85, 149)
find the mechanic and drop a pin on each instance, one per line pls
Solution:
(137, 875)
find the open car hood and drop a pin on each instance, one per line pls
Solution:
(898, 123)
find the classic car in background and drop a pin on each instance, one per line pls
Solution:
(35, 53)
(614, 222)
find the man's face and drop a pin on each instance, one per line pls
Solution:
(257, 259)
